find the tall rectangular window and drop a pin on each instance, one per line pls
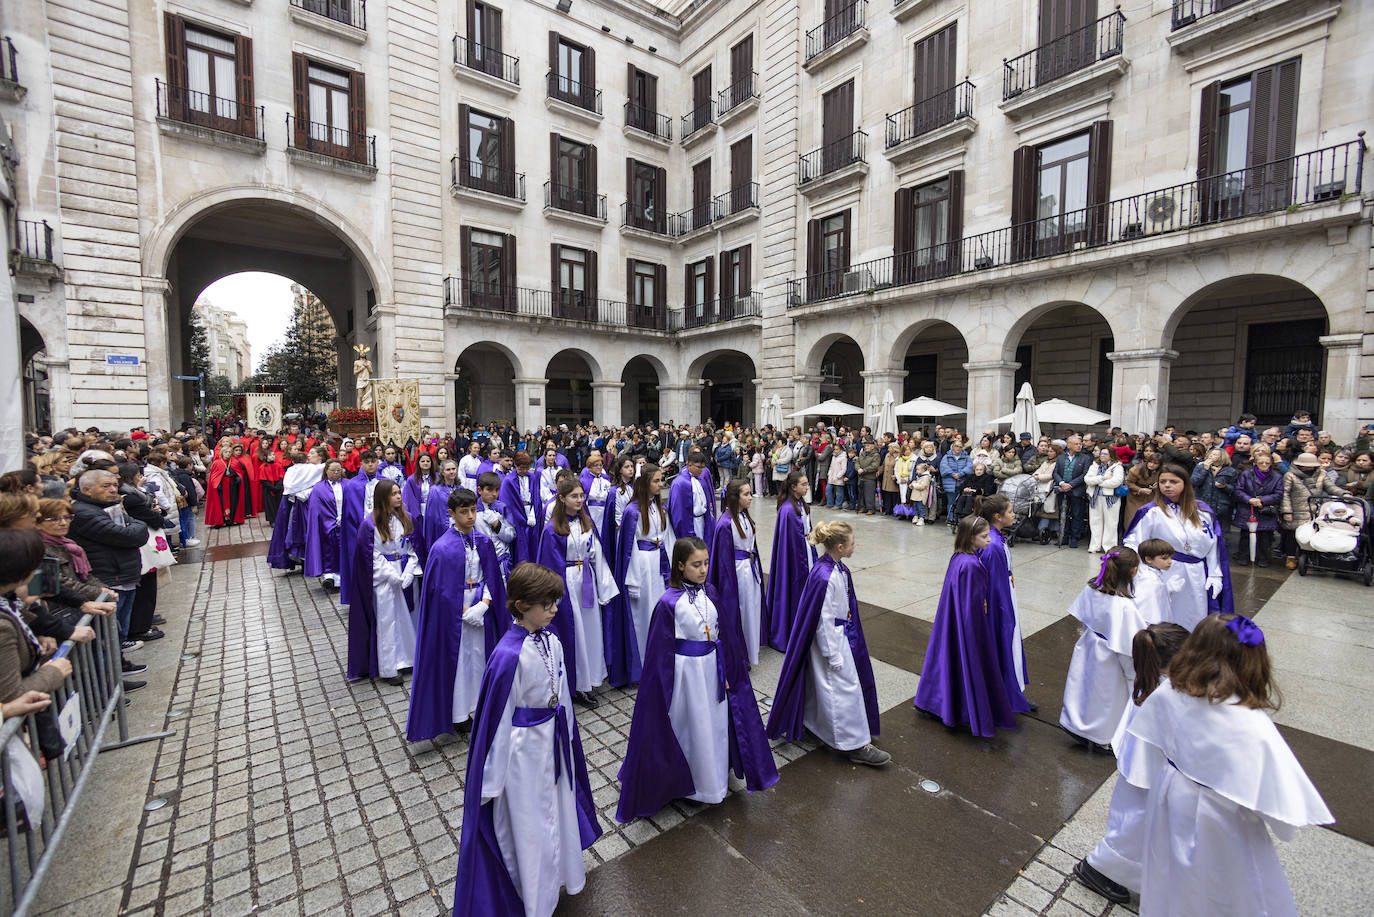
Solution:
(573, 186)
(328, 105)
(484, 147)
(486, 253)
(484, 38)
(646, 209)
(211, 76)
(1246, 141)
(698, 288)
(1062, 189)
(643, 284)
(701, 193)
(835, 243)
(572, 72)
(569, 68)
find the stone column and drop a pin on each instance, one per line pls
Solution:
(877, 383)
(60, 393)
(990, 394)
(529, 403)
(12, 451)
(681, 403)
(348, 390)
(157, 361)
(759, 398)
(606, 403)
(1340, 411)
(382, 324)
(1130, 370)
(806, 391)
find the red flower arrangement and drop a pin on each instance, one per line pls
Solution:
(352, 416)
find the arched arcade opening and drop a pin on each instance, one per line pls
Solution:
(728, 390)
(569, 395)
(639, 397)
(1062, 352)
(37, 404)
(484, 384)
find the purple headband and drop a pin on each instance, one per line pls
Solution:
(1101, 573)
(1247, 632)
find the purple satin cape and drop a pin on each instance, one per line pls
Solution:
(553, 553)
(440, 632)
(1002, 610)
(789, 701)
(353, 491)
(525, 543)
(295, 533)
(277, 556)
(410, 497)
(655, 770)
(362, 611)
(680, 504)
(1226, 602)
(627, 533)
(436, 522)
(961, 679)
(723, 575)
(786, 577)
(322, 549)
(484, 888)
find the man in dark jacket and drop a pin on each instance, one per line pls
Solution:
(111, 540)
(1069, 473)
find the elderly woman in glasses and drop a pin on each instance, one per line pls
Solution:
(80, 592)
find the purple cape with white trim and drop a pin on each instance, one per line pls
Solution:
(655, 770)
(411, 491)
(323, 552)
(484, 887)
(440, 632)
(723, 574)
(961, 680)
(354, 489)
(523, 547)
(362, 611)
(1002, 610)
(627, 533)
(789, 701)
(786, 577)
(1225, 603)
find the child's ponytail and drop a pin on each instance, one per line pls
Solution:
(1117, 575)
(1151, 650)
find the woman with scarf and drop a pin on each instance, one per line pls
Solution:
(1259, 490)
(1104, 476)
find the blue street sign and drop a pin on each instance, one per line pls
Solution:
(187, 378)
(121, 359)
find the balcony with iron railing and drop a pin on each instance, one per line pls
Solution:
(32, 251)
(649, 220)
(845, 29)
(10, 87)
(924, 121)
(836, 161)
(494, 67)
(1219, 26)
(351, 13)
(737, 204)
(186, 111)
(698, 123)
(715, 311)
(693, 220)
(581, 204)
(641, 121)
(567, 305)
(1326, 177)
(1187, 12)
(737, 98)
(334, 147)
(487, 182)
(1093, 53)
(573, 96)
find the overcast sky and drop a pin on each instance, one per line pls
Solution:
(263, 301)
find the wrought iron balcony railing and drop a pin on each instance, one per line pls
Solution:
(201, 109)
(649, 219)
(574, 92)
(334, 142)
(648, 121)
(697, 118)
(698, 217)
(736, 94)
(476, 175)
(1328, 175)
(349, 12)
(737, 200)
(572, 305)
(575, 200)
(846, 21)
(9, 61)
(1187, 12)
(937, 111)
(1079, 49)
(33, 240)
(832, 157)
(476, 56)
(724, 309)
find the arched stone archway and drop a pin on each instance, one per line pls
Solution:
(728, 391)
(640, 380)
(34, 377)
(570, 396)
(484, 384)
(932, 355)
(834, 368)
(1061, 349)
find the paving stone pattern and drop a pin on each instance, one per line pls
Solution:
(290, 791)
(1047, 887)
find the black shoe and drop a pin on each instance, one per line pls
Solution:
(159, 619)
(133, 684)
(587, 699)
(133, 668)
(394, 681)
(1117, 894)
(151, 634)
(1242, 562)
(1034, 707)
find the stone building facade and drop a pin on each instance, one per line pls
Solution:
(618, 211)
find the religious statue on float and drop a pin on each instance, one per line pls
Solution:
(362, 374)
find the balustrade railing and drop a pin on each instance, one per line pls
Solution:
(833, 157)
(845, 22)
(1068, 54)
(936, 111)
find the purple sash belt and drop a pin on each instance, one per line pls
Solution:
(663, 566)
(702, 648)
(753, 558)
(562, 750)
(1187, 558)
(588, 587)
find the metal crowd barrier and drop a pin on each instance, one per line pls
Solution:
(97, 683)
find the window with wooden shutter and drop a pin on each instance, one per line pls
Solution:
(1099, 181)
(300, 68)
(248, 112)
(1273, 135)
(174, 29)
(592, 287)
(934, 71)
(357, 117)
(742, 175)
(1023, 193)
(701, 98)
(661, 296)
(511, 276)
(1067, 41)
(701, 194)
(741, 71)
(1207, 138)
(956, 222)
(465, 258)
(813, 259)
(837, 128)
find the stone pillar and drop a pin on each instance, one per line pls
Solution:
(60, 393)
(681, 403)
(157, 360)
(348, 390)
(1130, 370)
(529, 403)
(606, 403)
(1340, 410)
(383, 355)
(806, 391)
(990, 394)
(877, 383)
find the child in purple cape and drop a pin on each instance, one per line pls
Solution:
(695, 716)
(436, 519)
(323, 554)
(736, 571)
(961, 680)
(381, 632)
(1006, 618)
(527, 804)
(793, 556)
(826, 684)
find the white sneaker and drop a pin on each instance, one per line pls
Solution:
(191, 542)
(920, 521)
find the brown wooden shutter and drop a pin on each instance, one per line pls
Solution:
(175, 30)
(300, 68)
(813, 247)
(844, 249)
(554, 190)
(630, 289)
(555, 86)
(746, 270)
(588, 78)
(592, 286)
(465, 265)
(507, 155)
(464, 149)
(935, 62)
(955, 228)
(1273, 122)
(633, 96)
(724, 285)
(357, 114)
(687, 287)
(243, 62)
(1208, 123)
(741, 63)
(741, 163)
(661, 199)
(633, 205)
(591, 181)
(555, 290)
(471, 20)
(1099, 180)
(510, 277)
(1023, 193)
(710, 286)
(661, 296)
(650, 100)
(903, 234)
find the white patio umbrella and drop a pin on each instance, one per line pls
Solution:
(1145, 402)
(887, 415)
(832, 407)
(871, 415)
(1024, 418)
(1055, 411)
(926, 407)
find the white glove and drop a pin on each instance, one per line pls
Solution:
(529, 518)
(407, 577)
(836, 662)
(475, 614)
(1174, 585)
(1214, 587)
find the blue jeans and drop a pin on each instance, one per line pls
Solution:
(834, 495)
(949, 504)
(124, 609)
(920, 510)
(851, 494)
(188, 523)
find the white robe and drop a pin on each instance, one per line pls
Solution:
(598, 498)
(395, 629)
(1188, 603)
(750, 589)
(535, 817)
(644, 574)
(700, 721)
(501, 539)
(623, 496)
(472, 650)
(1217, 774)
(467, 471)
(1152, 591)
(835, 709)
(1101, 673)
(590, 649)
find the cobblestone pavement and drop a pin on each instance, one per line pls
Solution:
(291, 791)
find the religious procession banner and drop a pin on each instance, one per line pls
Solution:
(262, 412)
(397, 403)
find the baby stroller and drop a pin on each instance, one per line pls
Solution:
(1024, 495)
(1337, 540)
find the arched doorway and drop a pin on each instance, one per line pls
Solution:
(841, 370)
(639, 401)
(1248, 344)
(1062, 351)
(569, 391)
(37, 406)
(933, 355)
(264, 236)
(484, 390)
(728, 390)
